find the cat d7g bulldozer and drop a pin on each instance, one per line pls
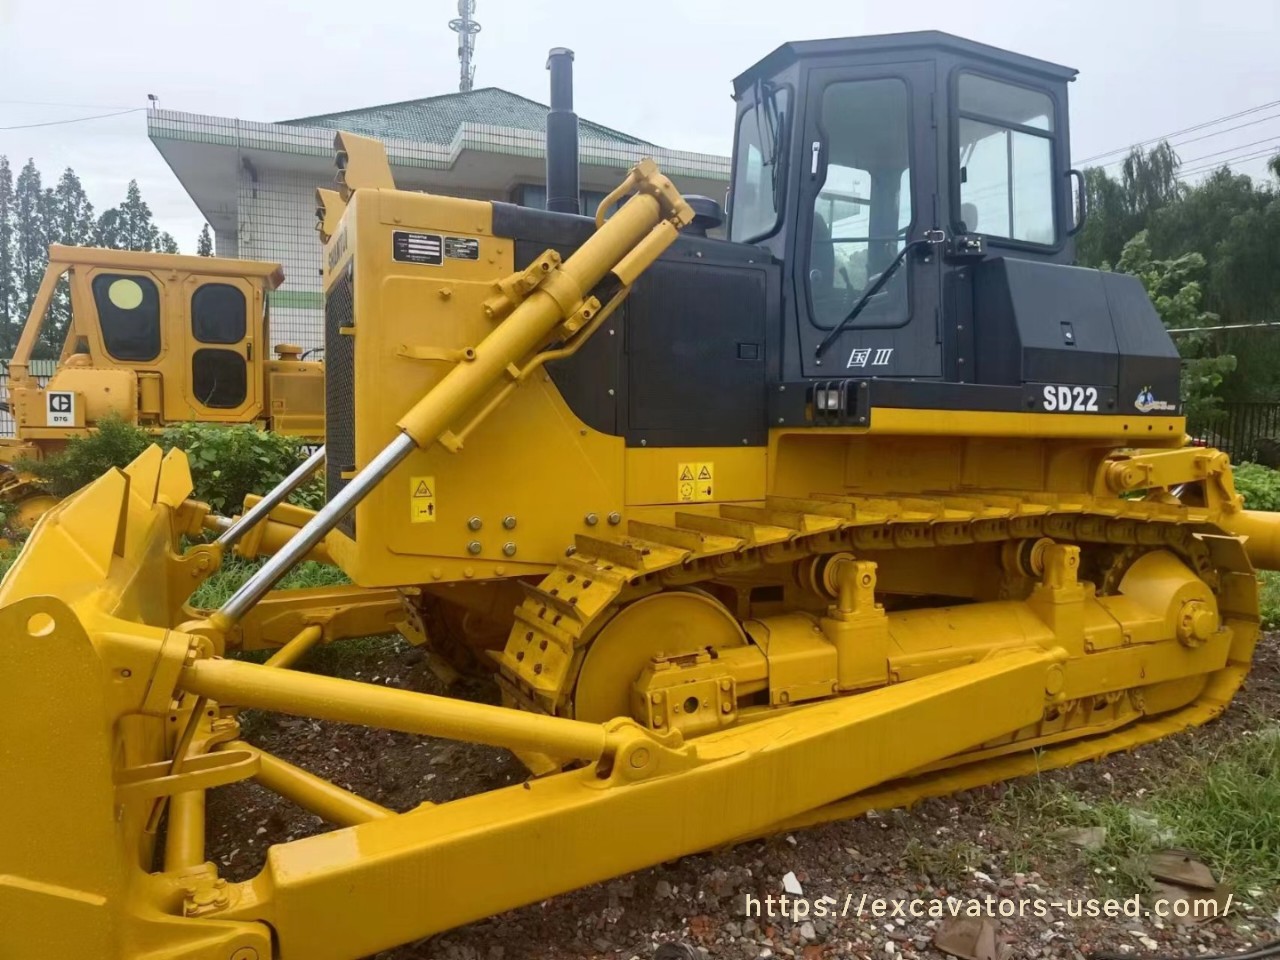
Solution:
(153, 339)
(880, 498)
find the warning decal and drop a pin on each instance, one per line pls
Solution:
(422, 499)
(695, 482)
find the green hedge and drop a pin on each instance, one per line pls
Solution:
(226, 462)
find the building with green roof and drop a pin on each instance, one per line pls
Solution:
(255, 182)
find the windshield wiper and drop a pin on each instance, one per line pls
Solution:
(930, 238)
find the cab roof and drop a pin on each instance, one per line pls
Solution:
(272, 273)
(923, 40)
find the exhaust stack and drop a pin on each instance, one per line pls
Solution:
(562, 135)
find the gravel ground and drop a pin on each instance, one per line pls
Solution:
(958, 846)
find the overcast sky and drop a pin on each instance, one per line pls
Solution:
(659, 70)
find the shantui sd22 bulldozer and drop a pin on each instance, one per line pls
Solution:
(155, 339)
(879, 498)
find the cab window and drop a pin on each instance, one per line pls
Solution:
(129, 315)
(755, 205)
(218, 313)
(862, 212)
(219, 378)
(1005, 138)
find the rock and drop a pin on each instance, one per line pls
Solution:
(662, 890)
(731, 929)
(807, 931)
(749, 927)
(1181, 868)
(791, 885)
(970, 938)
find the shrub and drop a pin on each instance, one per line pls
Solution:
(227, 462)
(84, 459)
(1260, 486)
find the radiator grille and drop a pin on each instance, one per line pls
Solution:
(339, 391)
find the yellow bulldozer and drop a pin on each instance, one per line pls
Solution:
(153, 339)
(880, 498)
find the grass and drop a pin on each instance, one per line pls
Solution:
(1222, 803)
(235, 571)
(1269, 599)
(342, 658)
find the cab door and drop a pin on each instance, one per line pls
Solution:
(223, 364)
(868, 187)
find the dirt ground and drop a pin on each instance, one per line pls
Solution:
(953, 847)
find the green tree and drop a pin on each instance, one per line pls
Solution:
(1119, 207)
(204, 245)
(130, 226)
(69, 220)
(31, 249)
(10, 322)
(1177, 296)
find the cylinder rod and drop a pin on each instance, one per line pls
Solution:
(292, 651)
(184, 832)
(273, 499)
(326, 800)
(269, 574)
(234, 683)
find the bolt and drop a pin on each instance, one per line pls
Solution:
(615, 518)
(639, 757)
(245, 953)
(509, 523)
(509, 549)
(475, 523)
(126, 673)
(591, 519)
(473, 546)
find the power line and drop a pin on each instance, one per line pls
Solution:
(1178, 133)
(1207, 136)
(57, 123)
(1260, 155)
(60, 103)
(1227, 326)
(1238, 146)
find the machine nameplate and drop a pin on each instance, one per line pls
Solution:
(60, 408)
(425, 248)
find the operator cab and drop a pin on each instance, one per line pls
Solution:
(917, 190)
(849, 151)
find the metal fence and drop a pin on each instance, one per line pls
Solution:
(1246, 430)
(42, 370)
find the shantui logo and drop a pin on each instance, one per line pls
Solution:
(1147, 402)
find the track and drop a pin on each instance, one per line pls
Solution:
(559, 617)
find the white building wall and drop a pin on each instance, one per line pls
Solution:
(277, 223)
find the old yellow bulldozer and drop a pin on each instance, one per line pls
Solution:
(877, 499)
(153, 339)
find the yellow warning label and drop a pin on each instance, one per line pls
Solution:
(422, 499)
(695, 482)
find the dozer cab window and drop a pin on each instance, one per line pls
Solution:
(1005, 140)
(758, 183)
(862, 211)
(219, 378)
(218, 313)
(129, 315)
